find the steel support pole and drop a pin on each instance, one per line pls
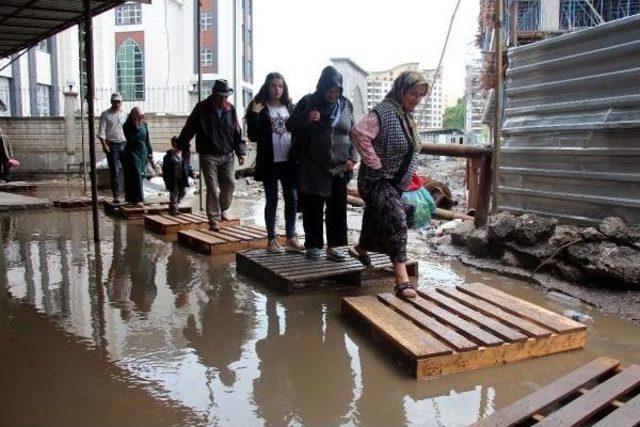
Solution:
(497, 123)
(199, 68)
(88, 51)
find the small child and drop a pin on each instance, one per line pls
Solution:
(176, 171)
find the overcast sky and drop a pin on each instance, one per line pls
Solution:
(297, 37)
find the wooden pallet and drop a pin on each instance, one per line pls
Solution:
(169, 224)
(446, 330)
(75, 202)
(18, 187)
(230, 238)
(600, 393)
(290, 272)
(128, 211)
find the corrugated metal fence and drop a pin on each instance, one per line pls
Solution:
(571, 136)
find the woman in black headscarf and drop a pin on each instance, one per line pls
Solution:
(320, 126)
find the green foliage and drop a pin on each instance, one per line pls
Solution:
(454, 116)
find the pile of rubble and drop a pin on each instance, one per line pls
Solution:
(608, 255)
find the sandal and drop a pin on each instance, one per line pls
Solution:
(365, 259)
(401, 288)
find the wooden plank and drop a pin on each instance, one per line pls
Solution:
(246, 266)
(248, 231)
(491, 310)
(441, 331)
(561, 388)
(468, 329)
(219, 236)
(174, 218)
(159, 219)
(499, 355)
(243, 234)
(627, 415)
(204, 237)
(598, 398)
(466, 313)
(525, 309)
(400, 331)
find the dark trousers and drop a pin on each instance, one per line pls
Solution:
(114, 159)
(285, 173)
(177, 194)
(313, 207)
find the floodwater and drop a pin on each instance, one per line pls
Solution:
(140, 331)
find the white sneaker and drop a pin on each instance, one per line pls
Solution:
(292, 245)
(274, 247)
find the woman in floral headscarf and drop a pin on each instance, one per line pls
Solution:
(388, 142)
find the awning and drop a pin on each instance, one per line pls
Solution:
(24, 23)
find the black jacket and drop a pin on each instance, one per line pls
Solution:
(168, 172)
(260, 132)
(214, 135)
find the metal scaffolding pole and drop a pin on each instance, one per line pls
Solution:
(199, 59)
(88, 51)
(497, 124)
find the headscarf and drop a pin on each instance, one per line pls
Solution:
(329, 78)
(401, 85)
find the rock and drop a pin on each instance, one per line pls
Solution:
(501, 226)
(461, 232)
(619, 231)
(591, 234)
(607, 261)
(569, 272)
(531, 256)
(531, 229)
(565, 234)
(478, 242)
(510, 259)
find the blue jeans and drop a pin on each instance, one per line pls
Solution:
(114, 159)
(285, 173)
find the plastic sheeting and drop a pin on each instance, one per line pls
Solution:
(571, 135)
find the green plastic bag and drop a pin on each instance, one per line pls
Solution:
(424, 205)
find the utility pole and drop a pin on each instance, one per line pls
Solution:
(497, 124)
(88, 50)
(199, 59)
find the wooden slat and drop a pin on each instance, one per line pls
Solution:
(584, 407)
(160, 219)
(220, 236)
(468, 329)
(174, 218)
(203, 236)
(525, 309)
(402, 332)
(484, 307)
(444, 333)
(485, 322)
(242, 232)
(524, 408)
(626, 415)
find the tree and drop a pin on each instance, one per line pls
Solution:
(454, 116)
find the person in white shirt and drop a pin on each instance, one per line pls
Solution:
(112, 139)
(266, 116)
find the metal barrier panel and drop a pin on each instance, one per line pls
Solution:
(571, 135)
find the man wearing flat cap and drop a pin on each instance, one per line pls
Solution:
(112, 139)
(214, 123)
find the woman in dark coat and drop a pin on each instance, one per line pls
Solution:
(137, 153)
(320, 126)
(388, 142)
(266, 115)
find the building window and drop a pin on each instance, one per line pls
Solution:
(130, 71)
(247, 96)
(5, 96)
(43, 46)
(43, 105)
(206, 57)
(128, 14)
(206, 21)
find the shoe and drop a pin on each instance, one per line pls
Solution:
(116, 200)
(336, 255)
(214, 226)
(312, 254)
(274, 247)
(405, 290)
(364, 259)
(225, 217)
(174, 211)
(292, 245)
(139, 205)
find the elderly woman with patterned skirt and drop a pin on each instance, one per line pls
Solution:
(388, 142)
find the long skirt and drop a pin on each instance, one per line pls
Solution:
(384, 223)
(134, 172)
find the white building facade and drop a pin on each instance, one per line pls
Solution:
(145, 51)
(429, 113)
(354, 80)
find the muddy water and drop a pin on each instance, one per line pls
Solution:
(141, 331)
